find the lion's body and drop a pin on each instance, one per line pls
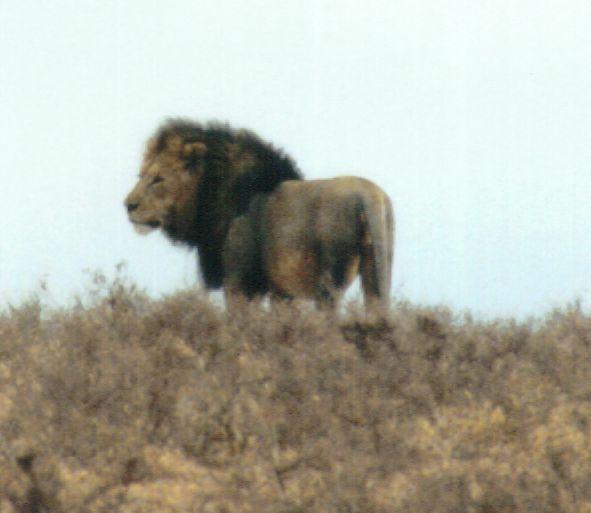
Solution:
(258, 227)
(310, 239)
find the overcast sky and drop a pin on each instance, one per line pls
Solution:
(474, 116)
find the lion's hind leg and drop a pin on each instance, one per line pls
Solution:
(376, 249)
(339, 264)
(327, 296)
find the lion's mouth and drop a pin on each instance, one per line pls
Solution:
(147, 227)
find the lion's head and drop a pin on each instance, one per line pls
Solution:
(194, 179)
(163, 196)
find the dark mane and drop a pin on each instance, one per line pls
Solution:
(237, 167)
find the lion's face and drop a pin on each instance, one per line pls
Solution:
(165, 186)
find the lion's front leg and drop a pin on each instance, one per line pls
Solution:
(244, 279)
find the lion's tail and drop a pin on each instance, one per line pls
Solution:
(377, 246)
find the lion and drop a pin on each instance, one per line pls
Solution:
(259, 228)
(310, 239)
(195, 179)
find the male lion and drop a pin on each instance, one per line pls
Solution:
(258, 227)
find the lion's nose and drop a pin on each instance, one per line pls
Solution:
(131, 207)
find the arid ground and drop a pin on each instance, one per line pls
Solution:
(124, 403)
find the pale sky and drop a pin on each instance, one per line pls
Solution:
(474, 116)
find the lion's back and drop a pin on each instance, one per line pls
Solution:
(310, 226)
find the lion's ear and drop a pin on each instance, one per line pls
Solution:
(194, 148)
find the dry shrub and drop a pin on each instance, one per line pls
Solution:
(123, 403)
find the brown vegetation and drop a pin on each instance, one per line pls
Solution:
(127, 404)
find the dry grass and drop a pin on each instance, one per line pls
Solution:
(127, 404)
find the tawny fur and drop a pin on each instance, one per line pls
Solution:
(310, 239)
(258, 228)
(195, 179)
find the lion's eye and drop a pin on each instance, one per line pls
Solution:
(156, 180)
